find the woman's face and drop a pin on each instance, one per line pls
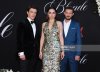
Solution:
(51, 14)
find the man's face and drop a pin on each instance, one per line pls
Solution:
(32, 13)
(68, 14)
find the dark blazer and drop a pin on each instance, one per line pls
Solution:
(25, 39)
(73, 38)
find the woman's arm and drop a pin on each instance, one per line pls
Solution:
(42, 38)
(61, 39)
(61, 35)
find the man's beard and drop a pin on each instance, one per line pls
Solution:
(68, 18)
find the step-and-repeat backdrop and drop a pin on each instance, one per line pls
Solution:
(13, 11)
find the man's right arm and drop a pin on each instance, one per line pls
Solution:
(20, 35)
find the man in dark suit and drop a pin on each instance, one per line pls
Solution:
(72, 41)
(28, 36)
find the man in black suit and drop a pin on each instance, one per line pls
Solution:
(28, 36)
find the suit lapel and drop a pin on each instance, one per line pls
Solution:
(36, 29)
(63, 29)
(69, 28)
(30, 27)
(36, 25)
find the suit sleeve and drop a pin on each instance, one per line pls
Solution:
(78, 45)
(20, 38)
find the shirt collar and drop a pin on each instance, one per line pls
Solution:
(29, 19)
(67, 22)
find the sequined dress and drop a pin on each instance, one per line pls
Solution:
(51, 49)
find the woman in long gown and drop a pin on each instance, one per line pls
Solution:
(51, 43)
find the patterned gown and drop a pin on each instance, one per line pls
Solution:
(51, 50)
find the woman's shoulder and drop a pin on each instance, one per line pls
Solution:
(59, 23)
(43, 24)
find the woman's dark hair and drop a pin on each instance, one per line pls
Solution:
(51, 8)
(48, 11)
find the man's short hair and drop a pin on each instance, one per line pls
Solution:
(31, 6)
(70, 8)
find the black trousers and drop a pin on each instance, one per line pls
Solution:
(27, 66)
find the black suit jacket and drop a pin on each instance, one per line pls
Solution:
(25, 39)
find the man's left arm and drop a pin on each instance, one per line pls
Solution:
(78, 45)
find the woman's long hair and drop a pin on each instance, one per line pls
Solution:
(47, 18)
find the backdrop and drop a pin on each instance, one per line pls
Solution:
(13, 11)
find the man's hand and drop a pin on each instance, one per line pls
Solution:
(22, 57)
(77, 58)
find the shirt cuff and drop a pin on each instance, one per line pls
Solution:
(21, 53)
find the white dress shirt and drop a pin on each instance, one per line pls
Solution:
(34, 33)
(33, 27)
(66, 27)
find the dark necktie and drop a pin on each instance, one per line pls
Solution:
(32, 22)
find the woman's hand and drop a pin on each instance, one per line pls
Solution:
(40, 55)
(62, 55)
